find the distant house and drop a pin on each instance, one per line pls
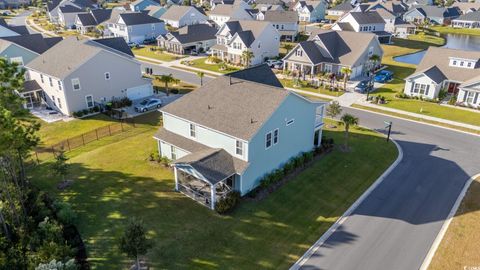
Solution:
(265, 7)
(341, 9)
(395, 25)
(369, 21)
(214, 3)
(88, 21)
(310, 11)
(23, 49)
(431, 14)
(226, 135)
(136, 27)
(54, 13)
(223, 13)
(395, 7)
(140, 5)
(455, 71)
(178, 16)
(77, 74)
(197, 37)
(466, 7)
(258, 37)
(285, 22)
(155, 11)
(468, 20)
(412, 3)
(327, 51)
(7, 4)
(8, 30)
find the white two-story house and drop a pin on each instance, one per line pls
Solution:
(285, 22)
(78, 74)
(310, 11)
(232, 131)
(369, 21)
(136, 27)
(178, 16)
(223, 13)
(258, 37)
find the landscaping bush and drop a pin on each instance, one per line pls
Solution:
(85, 112)
(452, 100)
(174, 91)
(227, 204)
(65, 213)
(308, 156)
(289, 167)
(442, 94)
(299, 161)
(96, 109)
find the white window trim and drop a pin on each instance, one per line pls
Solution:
(73, 84)
(86, 101)
(290, 122)
(239, 146)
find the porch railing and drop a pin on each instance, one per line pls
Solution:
(197, 196)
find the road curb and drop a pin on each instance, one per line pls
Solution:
(301, 261)
(446, 224)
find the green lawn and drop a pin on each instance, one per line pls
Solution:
(452, 30)
(114, 181)
(155, 54)
(200, 63)
(414, 44)
(289, 83)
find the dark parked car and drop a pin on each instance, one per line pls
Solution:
(383, 76)
(364, 86)
(148, 104)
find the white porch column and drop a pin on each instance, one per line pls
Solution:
(176, 177)
(212, 197)
(319, 139)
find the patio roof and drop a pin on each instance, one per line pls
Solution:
(179, 141)
(215, 165)
(30, 86)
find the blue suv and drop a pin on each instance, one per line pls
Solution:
(383, 76)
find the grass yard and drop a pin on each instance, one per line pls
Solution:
(182, 87)
(114, 181)
(289, 83)
(155, 54)
(414, 44)
(459, 247)
(452, 30)
(200, 63)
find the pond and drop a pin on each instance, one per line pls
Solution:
(454, 41)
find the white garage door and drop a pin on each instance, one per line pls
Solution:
(140, 92)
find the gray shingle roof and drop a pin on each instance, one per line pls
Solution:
(281, 16)
(367, 17)
(194, 33)
(259, 74)
(35, 42)
(29, 86)
(230, 105)
(471, 16)
(70, 9)
(116, 43)
(437, 12)
(440, 58)
(345, 6)
(175, 12)
(435, 74)
(21, 30)
(136, 18)
(248, 30)
(86, 19)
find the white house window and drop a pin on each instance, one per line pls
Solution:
(268, 140)
(89, 101)
(469, 64)
(370, 51)
(239, 148)
(454, 62)
(129, 29)
(470, 96)
(299, 53)
(76, 84)
(59, 103)
(51, 81)
(173, 152)
(107, 75)
(59, 85)
(275, 136)
(461, 63)
(421, 89)
(327, 68)
(193, 131)
(291, 121)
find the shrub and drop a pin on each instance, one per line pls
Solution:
(452, 100)
(308, 156)
(165, 161)
(227, 204)
(299, 161)
(96, 109)
(85, 112)
(65, 213)
(174, 91)
(289, 167)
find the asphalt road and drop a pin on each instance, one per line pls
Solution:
(187, 77)
(395, 226)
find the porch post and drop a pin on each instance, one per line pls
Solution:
(176, 177)
(212, 197)
(319, 139)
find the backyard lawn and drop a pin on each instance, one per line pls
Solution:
(155, 54)
(289, 83)
(200, 63)
(414, 44)
(114, 181)
(459, 247)
(452, 30)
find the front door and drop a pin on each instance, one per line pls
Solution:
(453, 88)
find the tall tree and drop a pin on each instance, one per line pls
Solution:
(166, 79)
(346, 71)
(348, 120)
(334, 109)
(134, 241)
(247, 57)
(60, 166)
(201, 74)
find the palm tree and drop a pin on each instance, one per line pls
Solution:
(166, 79)
(346, 71)
(348, 120)
(100, 29)
(373, 59)
(287, 47)
(247, 57)
(200, 74)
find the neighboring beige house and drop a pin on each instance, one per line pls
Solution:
(359, 21)
(178, 16)
(327, 51)
(286, 22)
(258, 37)
(189, 39)
(223, 13)
(77, 74)
(455, 71)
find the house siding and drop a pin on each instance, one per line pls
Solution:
(433, 88)
(16, 51)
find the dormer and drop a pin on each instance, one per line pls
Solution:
(462, 62)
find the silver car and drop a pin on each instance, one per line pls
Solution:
(148, 104)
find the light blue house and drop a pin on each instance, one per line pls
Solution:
(229, 133)
(23, 49)
(155, 11)
(140, 5)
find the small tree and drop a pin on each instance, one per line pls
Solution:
(247, 57)
(60, 166)
(288, 47)
(348, 120)
(100, 28)
(200, 74)
(166, 79)
(334, 109)
(134, 241)
(346, 71)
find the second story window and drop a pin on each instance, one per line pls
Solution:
(59, 85)
(173, 152)
(299, 53)
(107, 76)
(51, 81)
(239, 148)
(41, 78)
(193, 131)
(76, 84)
(275, 136)
(268, 140)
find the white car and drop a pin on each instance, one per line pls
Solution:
(275, 63)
